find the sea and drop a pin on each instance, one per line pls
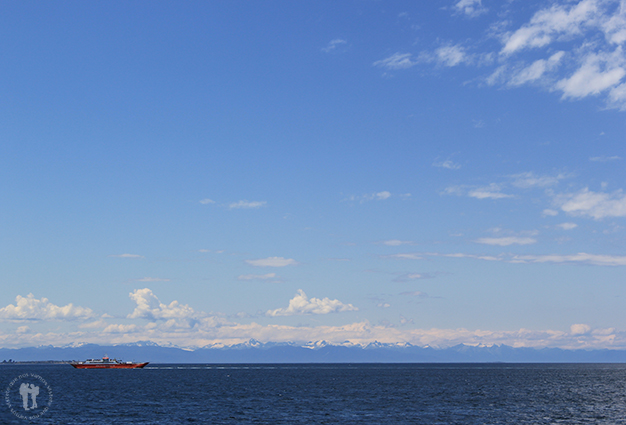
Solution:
(474, 393)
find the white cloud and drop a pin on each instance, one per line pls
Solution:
(412, 276)
(529, 180)
(605, 158)
(567, 226)
(120, 329)
(451, 55)
(266, 276)
(207, 201)
(493, 191)
(549, 212)
(272, 262)
(598, 72)
(396, 242)
(548, 24)
(597, 205)
(301, 304)
(414, 294)
(377, 196)
(149, 307)
(447, 164)
(333, 44)
(506, 241)
(582, 258)
(471, 8)
(127, 256)
(383, 305)
(536, 70)
(396, 61)
(243, 204)
(31, 308)
(580, 329)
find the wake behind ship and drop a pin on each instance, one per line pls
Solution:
(107, 363)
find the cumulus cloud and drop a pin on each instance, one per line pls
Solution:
(31, 308)
(301, 304)
(243, 204)
(506, 241)
(596, 205)
(149, 307)
(272, 262)
(580, 329)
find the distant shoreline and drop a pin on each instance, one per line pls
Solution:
(36, 362)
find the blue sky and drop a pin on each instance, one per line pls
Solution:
(203, 173)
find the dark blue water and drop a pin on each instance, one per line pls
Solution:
(344, 394)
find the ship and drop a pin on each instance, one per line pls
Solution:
(107, 363)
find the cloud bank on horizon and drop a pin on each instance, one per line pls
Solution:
(434, 173)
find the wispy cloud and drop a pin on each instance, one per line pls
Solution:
(396, 242)
(506, 241)
(470, 8)
(377, 196)
(151, 279)
(605, 158)
(597, 205)
(272, 262)
(136, 256)
(301, 304)
(396, 61)
(333, 44)
(448, 164)
(592, 64)
(266, 276)
(579, 258)
(414, 294)
(407, 277)
(567, 226)
(243, 204)
(531, 180)
(207, 201)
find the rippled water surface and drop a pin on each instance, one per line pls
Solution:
(337, 393)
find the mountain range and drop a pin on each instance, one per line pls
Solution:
(254, 351)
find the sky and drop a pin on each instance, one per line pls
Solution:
(204, 173)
